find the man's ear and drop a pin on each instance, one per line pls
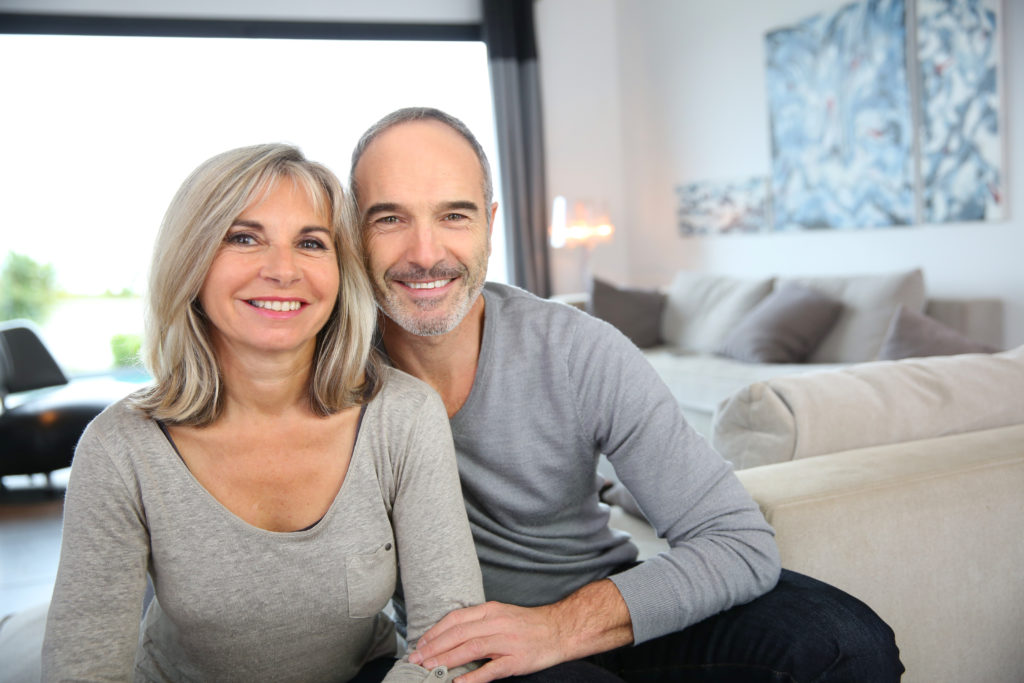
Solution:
(490, 223)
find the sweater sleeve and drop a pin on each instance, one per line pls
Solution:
(436, 555)
(722, 551)
(92, 628)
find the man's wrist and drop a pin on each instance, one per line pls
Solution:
(593, 619)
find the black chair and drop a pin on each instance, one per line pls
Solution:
(42, 414)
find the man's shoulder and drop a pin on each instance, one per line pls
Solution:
(519, 302)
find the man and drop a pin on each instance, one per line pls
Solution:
(535, 391)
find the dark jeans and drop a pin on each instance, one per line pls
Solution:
(801, 631)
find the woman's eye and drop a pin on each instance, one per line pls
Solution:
(242, 238)
(312, 243)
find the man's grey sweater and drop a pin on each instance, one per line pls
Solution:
(554, 388)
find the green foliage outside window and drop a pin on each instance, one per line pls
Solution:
(27, 289)
(126, 349)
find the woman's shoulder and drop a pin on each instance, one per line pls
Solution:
(405, 400)
(120, 423)
(397, 385)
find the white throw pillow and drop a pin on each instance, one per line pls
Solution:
(869, 302)
(869, 404)
(701, 309)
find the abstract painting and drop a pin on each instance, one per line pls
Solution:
(708, 208)
(961, 151)
(840, 119)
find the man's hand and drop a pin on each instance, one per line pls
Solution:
(521, 640)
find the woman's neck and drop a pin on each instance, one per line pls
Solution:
(265, 384)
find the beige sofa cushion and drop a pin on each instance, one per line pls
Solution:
(869, 404)
(869, 303)
(927, 533)
(701, 308)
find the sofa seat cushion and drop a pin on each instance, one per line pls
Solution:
(869, 404)
(869, 302)
(701, 381)
(926, 532)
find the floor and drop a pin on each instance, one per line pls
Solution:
(30, 526)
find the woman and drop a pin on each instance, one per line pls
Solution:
(273, 472)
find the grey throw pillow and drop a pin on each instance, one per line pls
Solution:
(785, 327)
(635, 312)
(914, 335)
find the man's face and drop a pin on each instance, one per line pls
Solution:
(427, 230)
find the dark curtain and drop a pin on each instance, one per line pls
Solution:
(512, 54)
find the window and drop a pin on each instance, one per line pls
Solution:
(99, 132)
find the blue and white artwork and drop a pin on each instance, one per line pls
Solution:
(961, 152)
(840, 119)
(717, 207)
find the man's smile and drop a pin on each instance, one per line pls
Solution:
(433, 284)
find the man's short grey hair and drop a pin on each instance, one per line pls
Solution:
(424, 114)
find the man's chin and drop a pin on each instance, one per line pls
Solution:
(421, 327)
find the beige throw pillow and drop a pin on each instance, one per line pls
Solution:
(701, 309)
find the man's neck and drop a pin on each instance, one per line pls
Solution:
(446, 362)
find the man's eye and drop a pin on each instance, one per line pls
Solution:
(455, 217)
(387, 219)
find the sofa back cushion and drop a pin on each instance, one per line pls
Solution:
(701, 308)
(869, 404)
(869, 303)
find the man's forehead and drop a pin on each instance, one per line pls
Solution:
(416, 155)
(421, 139)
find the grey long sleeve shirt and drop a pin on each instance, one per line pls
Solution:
(238, 603)
(554, 388)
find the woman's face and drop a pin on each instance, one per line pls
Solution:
(274, 281)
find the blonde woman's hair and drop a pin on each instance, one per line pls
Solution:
(178, 351)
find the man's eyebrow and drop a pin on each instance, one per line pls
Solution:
(453, 205)
(460, 205)
(381, 207)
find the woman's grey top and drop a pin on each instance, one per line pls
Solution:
(235, 602)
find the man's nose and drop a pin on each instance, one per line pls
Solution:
(425, 247)
(280, 265)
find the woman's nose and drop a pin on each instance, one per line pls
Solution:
(280, 265)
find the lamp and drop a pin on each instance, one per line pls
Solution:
(585, 228)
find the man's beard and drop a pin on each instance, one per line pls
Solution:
(409, 314)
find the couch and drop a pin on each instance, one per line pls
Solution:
(709, 335)
(901, 482)
(893, 474)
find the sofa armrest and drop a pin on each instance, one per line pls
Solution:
(926, 532)
(981, 319)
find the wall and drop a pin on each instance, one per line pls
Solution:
(692, 107)
(583, 124)
(640, 95)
